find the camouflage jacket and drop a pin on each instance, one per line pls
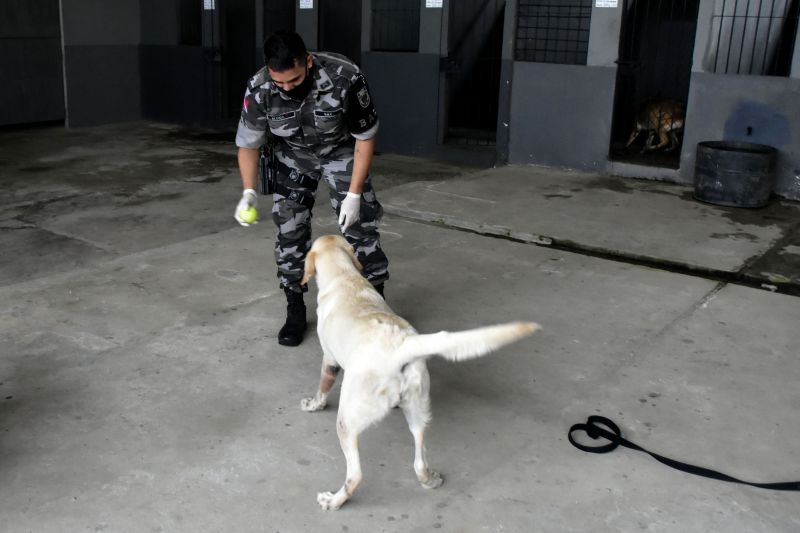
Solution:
(338, 108)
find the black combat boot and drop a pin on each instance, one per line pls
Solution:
(291, 334)
(379, 288)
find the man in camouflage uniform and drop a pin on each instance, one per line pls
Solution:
(318, 109)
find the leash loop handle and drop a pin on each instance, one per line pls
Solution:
(595, 430)
(597, 427)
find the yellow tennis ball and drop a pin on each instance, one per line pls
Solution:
(249, 215)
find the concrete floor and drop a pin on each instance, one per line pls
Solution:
(142, 388)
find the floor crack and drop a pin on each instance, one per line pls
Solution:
(739, 277)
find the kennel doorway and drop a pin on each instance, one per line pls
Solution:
(339, 28)
(472, 71)
(653, 73)
(238, 54)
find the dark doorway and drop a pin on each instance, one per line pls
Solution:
(472, 70)
(340, 28)
(278, 15)
(238, 51)
(30, 61)
(654, 69)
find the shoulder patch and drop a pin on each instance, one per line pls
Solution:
(363, 97)
(360, 109)
(259, 79)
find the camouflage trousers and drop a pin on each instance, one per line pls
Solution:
(298, 175)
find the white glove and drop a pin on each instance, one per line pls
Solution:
(350, 210)
(249, 199)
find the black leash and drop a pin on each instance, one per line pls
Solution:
(600, 426)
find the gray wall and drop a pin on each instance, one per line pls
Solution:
(122, 61)
(101, 61)
(561, 115)
(722, 107)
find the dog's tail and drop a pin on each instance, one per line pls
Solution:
(463, 345)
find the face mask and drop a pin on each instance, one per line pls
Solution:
(301, 91)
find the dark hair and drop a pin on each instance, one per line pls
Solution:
(282, 49)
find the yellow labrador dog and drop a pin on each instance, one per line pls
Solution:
(383, 357)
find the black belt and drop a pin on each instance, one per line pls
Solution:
(289, 174)
(301, 197)
(300, 187)
(302, 180)
(595, 430)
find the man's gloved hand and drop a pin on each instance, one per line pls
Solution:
(249, 199)
(350, 210)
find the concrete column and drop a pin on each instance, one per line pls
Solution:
(259, 27)
(366, 25)
(795, 72)
(430, 30)
(307, 22)
(503, 133)
(604, 32)
(702, 36)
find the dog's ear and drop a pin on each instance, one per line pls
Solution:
(310, 269)
(354, 259)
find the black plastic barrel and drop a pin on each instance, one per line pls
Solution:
(736, 174)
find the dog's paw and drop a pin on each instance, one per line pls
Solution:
(326, 500)
(434, 480)
(312, 404)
